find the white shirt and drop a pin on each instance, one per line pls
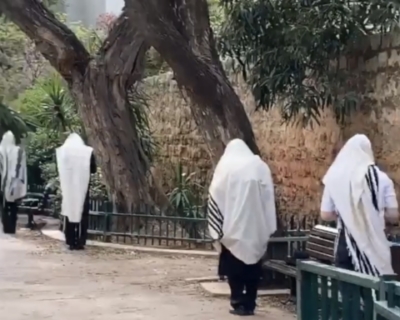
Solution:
(386, 195)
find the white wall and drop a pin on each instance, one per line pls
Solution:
(114, 6)
(87, 11)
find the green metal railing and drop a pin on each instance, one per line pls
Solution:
(328, 293)
(389, 307)
(147, 226)
(147, 229)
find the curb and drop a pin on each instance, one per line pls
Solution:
(221, 289)
(59, 236)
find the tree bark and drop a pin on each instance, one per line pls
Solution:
(100, 88)
(108, 114)
(180, 31)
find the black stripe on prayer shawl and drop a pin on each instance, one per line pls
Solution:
(1, 163)
(215, 218)
(363, 262)
(18, 169)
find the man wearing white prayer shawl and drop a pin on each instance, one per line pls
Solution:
(75, 163)
(361, 197)
(242, 218)
(13, 180)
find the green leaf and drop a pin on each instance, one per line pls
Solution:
(285, 49)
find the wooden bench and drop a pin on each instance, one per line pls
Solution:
(320, 246)
(33, 204)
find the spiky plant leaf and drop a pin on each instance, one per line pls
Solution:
(11, 120)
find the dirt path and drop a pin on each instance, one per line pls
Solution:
(40, 279)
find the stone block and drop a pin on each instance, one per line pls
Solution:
(343, 63)
(394, 58)
(222, 289)
(371, 65)
(375, 41)
(382, 59)
(395, 40)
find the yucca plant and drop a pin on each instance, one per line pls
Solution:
(58, 107)
(185, 201)
(49, 105)
(13, 121)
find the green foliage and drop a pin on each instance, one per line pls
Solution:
(12, 60)
(285, 50)
(11, 120)
(42, 99)
(91, 38)
(217, 15)
(49, 105)
(185, 196)
(40, 147)
(154, 64)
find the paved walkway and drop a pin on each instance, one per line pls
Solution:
(40, 279)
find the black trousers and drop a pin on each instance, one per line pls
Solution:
(243, 280)
(76, 233)
(9, 217)
(243, 291)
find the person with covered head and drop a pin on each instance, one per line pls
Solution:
(75, 163)
(13, 175)
(242, 218)
(360, 197)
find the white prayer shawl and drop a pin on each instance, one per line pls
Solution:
(351, 185)
(12, 169)
(73, 163)
(241, 206)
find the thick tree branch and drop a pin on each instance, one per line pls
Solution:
(54, 40)
(100, 87)
(124, 51)
(180, 32)
(192, 20)
(108, 113)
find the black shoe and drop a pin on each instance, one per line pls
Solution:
(72, 248)
(80, 247)
(241, 312)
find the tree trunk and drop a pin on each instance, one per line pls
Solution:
(100, 88)
(180, 31)
(108, 114)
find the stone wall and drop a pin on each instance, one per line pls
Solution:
(298, 157)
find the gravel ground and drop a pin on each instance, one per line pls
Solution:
(41, 279)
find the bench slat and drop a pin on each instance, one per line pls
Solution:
(280, 266)
(320, 256)
(321, 241)
(323, 234)
(318, 248)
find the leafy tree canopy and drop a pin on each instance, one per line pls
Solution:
(285, 49)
